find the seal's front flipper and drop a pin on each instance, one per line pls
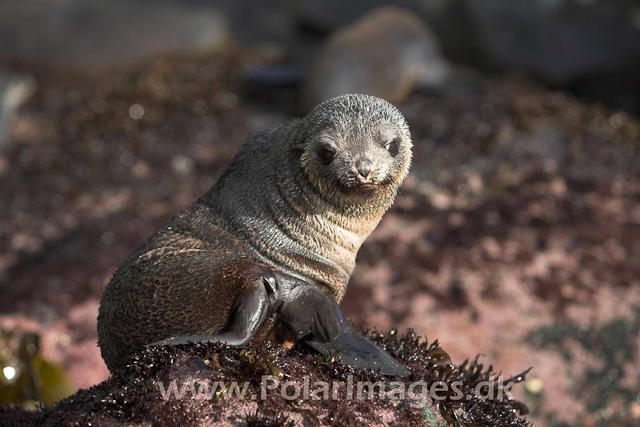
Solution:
(354, 349)
(318, 321)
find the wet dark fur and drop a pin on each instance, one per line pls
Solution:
(276, 206)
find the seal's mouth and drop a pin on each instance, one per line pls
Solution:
(360, 183)
(359, 187)
(365, 186)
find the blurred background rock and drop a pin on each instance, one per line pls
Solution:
(516, 235)
(592, 46)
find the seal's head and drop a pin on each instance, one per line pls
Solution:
(355, 149)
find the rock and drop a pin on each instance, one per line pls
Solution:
(559, 41)
(15, 90)
(329, 16)
(387, 53)
(257, 22)
(210, 384)
(95, 33)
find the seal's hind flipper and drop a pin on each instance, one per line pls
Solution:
(250, 312)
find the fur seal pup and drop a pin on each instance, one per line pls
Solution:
(388, 53)
(271, 246)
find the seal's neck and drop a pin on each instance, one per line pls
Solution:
(270, 206)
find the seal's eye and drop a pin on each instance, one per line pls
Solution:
(327, 154)
(393, 147)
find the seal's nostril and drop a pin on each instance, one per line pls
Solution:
(364, 170)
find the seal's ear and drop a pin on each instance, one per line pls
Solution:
(299, 148)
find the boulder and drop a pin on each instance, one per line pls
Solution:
(96, 33)
(560, 40)
(210, 384)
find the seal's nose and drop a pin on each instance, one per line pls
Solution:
(364, 169)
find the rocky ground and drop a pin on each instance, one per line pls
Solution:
(215, 385)
(517, 234)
